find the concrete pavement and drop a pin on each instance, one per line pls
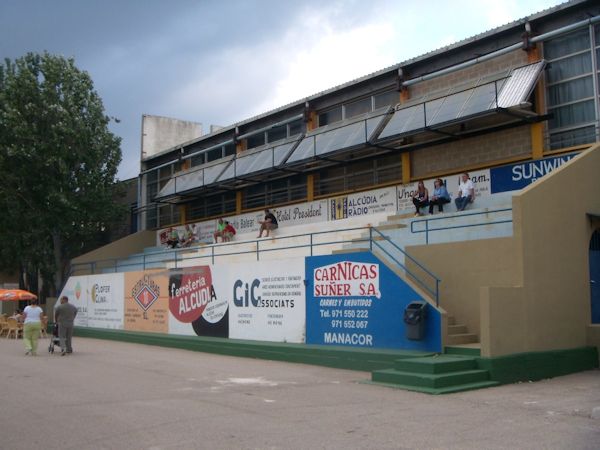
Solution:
(114, 395)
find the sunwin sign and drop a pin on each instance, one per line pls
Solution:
(519, 176)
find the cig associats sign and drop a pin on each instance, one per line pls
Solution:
(193, 300)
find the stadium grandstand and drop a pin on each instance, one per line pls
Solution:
(437, 302)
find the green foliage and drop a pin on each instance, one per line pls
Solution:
(58, 163)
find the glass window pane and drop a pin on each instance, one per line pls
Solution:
(331, 116)
(569, 67)
(386, 99)
(256, 140)
(229, 149)
(277, 134)
(197, 160)
(569, 115)
(571, 138)
(214, 154)
(358, 107)
(570, 91)
(565, 45)
(296, 127)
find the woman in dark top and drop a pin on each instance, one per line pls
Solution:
(420, 197)
(270, 223)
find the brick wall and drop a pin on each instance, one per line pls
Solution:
(458, 155)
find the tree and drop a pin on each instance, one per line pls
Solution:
(58, 163)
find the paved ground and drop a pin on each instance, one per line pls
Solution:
(112, 395)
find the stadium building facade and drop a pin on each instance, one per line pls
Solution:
(524, 91)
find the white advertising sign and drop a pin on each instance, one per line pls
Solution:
(362, 204)
(105, 299)
(76, 289)
(267, 300)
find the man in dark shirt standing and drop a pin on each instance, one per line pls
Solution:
(270, 223)
(64, 316)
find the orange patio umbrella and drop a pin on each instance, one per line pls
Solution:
(16, 295)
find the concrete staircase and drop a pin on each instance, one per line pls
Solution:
(458, 334)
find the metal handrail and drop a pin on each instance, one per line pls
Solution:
(179, 256)
(427, 230)
(433, 292)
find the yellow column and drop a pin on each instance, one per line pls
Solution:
(537, 129)
(182, 214)
(405, 167)
(312, 121)
(238, 202)
(404, 96)
(310, 187)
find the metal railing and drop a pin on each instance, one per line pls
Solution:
(433, 288)
(427, 221)
(159, 259)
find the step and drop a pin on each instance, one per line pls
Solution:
(439, 391)
(463, 338)
(436, 364)
(457, 329)
(430, 380)
(466, 349)
(390, 226)
(451, 320)
(350, 250)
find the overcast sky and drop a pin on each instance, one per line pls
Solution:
(219, 62)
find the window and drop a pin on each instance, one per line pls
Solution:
(256, 140)
(213, 205)
(572, 88)
(275, 192)
(277, 133)
(213, 155)
(357, 108)
(359, 175)
(331, 116)
(386, 98)
(295, 127)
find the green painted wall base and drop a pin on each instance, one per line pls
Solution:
(319, 355)
(539, 365)
(410, 370)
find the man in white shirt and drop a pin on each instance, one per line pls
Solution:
(466, 192)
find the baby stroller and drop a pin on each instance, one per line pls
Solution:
(54, 340)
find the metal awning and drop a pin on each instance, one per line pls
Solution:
(504, 98)
(333, 140)
(186, 181)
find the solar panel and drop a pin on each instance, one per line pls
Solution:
(254, 162)
(499, 93)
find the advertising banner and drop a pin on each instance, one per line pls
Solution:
(266, 300)
(519, 176)
(196, 305)
(77, 290)
(146, 301)
(105, 301)
(355, 300)
(362, 204)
